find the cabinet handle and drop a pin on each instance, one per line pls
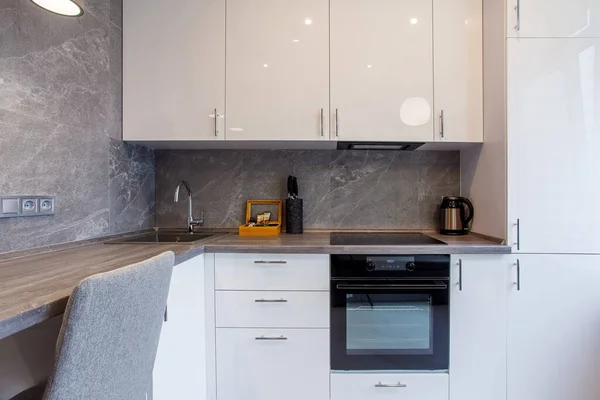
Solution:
(216, 123)
(337, 124)
(518, 282)
(442, 124)
(271, 338)
(166, 313)
(270, 301)
(390, 385)
(518, 242)
(269, 262)
(460, 274)
(518, 11)
(322, 126)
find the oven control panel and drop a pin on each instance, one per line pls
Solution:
(395, 263)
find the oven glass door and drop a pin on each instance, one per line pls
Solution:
(376, 326)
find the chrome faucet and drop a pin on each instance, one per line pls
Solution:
(191, 221)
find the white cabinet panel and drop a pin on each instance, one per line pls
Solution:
(180, 366)
(478, 327)
(248, 309)
(277, 69)
(173, 69)
(553, 329)
(381, 70)
(272, 272)
(384, 386)
(458, 70)
(295, 367)
(554, 145)
(553, 19)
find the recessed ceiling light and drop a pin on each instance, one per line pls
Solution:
(296, 41)
(369, 66)
(308, 21)
(414, 21)
(266, 65)
(69, 8)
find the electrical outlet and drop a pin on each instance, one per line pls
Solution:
(26, 206)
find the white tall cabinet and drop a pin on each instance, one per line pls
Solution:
(277, 70)
(553, 19)
(554, 145)
(173, 70)
(553, 329)
(381, 70)
(458, 70)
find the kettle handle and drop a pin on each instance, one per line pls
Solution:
(466, 221)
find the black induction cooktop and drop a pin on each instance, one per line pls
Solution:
(382, 239)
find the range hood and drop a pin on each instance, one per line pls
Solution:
(390, 146)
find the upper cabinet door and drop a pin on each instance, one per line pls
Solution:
(381, 70)
(458, 70)
(173, 69)
(553, 19)
(554, 145)
(277, 69)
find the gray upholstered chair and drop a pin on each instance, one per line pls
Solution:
(109, 336)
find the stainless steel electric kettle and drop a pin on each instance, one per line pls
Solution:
(453, 220)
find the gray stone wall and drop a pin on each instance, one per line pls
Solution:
(60, 125)
(341, 189)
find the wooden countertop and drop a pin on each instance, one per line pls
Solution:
(36, 287)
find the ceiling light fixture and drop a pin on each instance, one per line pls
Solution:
(69, 8)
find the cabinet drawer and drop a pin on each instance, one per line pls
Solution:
(271, 272)
(272, 309)
(290, 364)
(376, 386)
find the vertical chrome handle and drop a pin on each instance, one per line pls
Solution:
(518, 242)
(216, 123)
(337, 124)
(390, 385)
(518, 11)
(518, 283)
(442, 124)
(322, 126)
(166, 313)
(460, 274)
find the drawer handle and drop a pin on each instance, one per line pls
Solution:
(269, 262)
(271, 338)
(390, 385)
(270, 301)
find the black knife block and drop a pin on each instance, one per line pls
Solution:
(294, 216)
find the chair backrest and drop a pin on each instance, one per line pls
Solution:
(109, 337)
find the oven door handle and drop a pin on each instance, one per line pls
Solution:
(435, 286)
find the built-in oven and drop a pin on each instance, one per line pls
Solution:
(389, 312)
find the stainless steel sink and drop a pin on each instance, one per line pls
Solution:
(163, 238)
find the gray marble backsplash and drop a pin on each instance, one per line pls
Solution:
(341, 189)
(60, 121)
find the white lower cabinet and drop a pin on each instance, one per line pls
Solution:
(377, 386)
(180, 366)
(478, 327)
(272, 364)
(554, 328)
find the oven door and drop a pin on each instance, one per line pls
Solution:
(389, 325)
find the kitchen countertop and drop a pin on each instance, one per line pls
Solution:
(36, 287)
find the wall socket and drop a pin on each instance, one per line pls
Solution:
(26, 206)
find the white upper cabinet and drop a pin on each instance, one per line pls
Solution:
(555, 18)
(554, 143)
(277, 70)
(381, 70)
(553, 330)
(173, 69)
(458, 70)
